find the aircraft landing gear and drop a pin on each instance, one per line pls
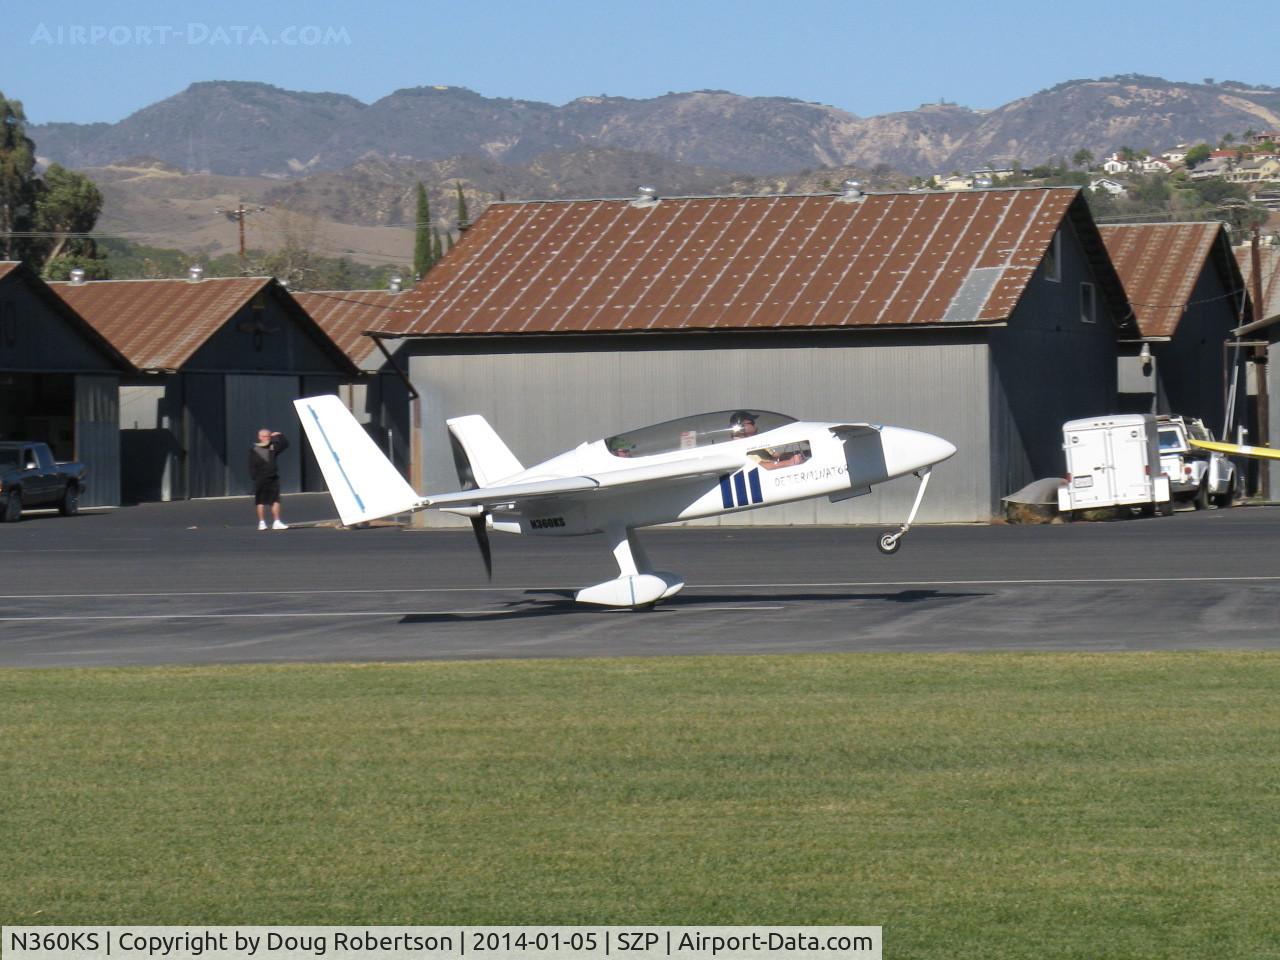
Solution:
(637, 585)
(889, 543)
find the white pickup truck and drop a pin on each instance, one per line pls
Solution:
(1198, 476)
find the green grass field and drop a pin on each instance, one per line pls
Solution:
(975, 806)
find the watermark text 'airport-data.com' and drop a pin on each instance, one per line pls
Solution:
(188, 35)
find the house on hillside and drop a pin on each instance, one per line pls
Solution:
(1113, 187)
(215, 360)
(1261, 168)
(1213, 167)
(986, 317)
(1187, 296)
(1114, 165)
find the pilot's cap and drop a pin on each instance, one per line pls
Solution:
(741, 417)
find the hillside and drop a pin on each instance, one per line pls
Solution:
(240, 128)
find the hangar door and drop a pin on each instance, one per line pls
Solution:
(255, 401)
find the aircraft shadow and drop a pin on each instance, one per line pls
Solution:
(557, 603)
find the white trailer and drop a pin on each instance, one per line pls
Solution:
(1113, 461)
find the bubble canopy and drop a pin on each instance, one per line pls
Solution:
(700, 430)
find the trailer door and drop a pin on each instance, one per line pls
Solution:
(1087, 463)
(1131, 478)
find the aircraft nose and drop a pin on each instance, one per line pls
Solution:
(906, 451)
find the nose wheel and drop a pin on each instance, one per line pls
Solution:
(889, 543)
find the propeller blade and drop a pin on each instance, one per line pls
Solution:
(481, 530)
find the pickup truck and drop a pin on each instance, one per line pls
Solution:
(30, 477)
(1194, 475)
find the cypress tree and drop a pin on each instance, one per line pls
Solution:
(436, 251)
(422, 256)
(463, 219)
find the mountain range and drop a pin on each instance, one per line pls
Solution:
(254, 129)
(331, 157)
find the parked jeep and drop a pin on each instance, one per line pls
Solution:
(1199, 476)
(30, 478)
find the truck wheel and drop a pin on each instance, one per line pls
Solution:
(12, 507)
(70, 504)
(1201, 499)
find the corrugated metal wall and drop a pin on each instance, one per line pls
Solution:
(542, 403)
(98, 437)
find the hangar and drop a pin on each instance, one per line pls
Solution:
(381, 398)
(59, 381)
(216, 360)
(1260, 265)
(1187, 296)
(986, 317)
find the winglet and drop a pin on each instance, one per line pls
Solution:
(363, 483)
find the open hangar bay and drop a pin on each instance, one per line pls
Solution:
(194, 582)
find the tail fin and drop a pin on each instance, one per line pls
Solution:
(363, 483)
(486, 456)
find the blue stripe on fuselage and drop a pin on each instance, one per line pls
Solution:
(726, 495)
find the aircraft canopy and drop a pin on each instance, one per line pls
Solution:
(701, 430)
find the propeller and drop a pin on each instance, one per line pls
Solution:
(479, 523)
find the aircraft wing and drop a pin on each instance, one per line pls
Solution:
(651, 475)
(1236, 449)
(846, 430)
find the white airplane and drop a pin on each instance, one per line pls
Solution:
(699, 466)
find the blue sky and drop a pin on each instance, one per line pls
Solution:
(79, 61)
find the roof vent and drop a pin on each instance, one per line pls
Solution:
(195, 273)
(77, 275)
(851, 191)
(395, 283)
(645, 197)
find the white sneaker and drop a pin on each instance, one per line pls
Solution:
(277, 526)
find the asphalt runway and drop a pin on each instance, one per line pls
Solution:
(187, 583)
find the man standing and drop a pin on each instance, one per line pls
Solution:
(266, 477)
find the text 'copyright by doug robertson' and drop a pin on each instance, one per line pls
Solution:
(438, 943)
(187, 35)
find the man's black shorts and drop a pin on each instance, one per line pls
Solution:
(267, 492)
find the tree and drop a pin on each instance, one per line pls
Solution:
(422, 255)
(67, 204)
(437, 251)
(1198, 155)
(464, 220)
(18, 184)
(1083, 158)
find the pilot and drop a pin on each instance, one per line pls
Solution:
(742, 424)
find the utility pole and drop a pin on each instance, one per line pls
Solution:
(237, 216)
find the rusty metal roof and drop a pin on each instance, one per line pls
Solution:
(1269, 311)
(715, 263)
(1160, 264)
(345, 315)
(159, 324)
(19, 272)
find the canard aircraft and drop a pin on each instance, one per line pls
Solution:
(698, 466)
